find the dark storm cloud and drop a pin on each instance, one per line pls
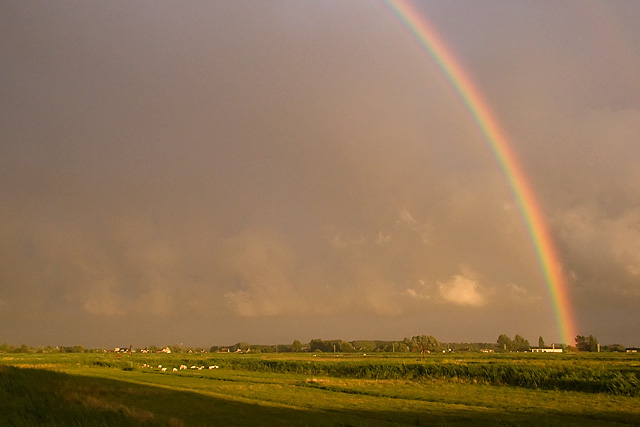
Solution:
(215, 172)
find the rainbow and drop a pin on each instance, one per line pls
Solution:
(530, 208)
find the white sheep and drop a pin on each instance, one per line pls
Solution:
(164, 369)
(175, 369)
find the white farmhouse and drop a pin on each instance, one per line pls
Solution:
(553, 349)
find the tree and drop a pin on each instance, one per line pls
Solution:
(346, 347)
(366, 346)
(614, 348)
(540, 342)
(589, 343)
(243, 346)
(505, 343)
(432, 343)
(424, 344)
(520, 344)
(296, 346)
(419, 343)
(398, 347)
(317, 344)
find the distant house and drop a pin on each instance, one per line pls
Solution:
(551, 349)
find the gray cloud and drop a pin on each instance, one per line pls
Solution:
(217, 172)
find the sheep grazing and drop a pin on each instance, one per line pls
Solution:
(183, 367)
(175, 369)
(164, 369)
(214, 367)
(159, 366)
(193, 367)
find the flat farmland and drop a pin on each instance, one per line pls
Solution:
(517, 389)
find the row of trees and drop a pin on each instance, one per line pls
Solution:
(589, 343)
(583, 343)
(418, 344)
(517, 344)
(8, 348)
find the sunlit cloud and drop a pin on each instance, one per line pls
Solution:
(462, 291)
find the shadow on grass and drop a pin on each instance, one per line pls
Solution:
(31, 397)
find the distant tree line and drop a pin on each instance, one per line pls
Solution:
(8, 348)
(583, 343)
(421, 344)
(517, 344)
(589, 343)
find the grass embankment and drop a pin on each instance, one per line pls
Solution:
(32, 397)
(305, 390)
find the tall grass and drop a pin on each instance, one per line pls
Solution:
(591, 378)
(33, 397)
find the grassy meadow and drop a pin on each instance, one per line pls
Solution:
(294, 389)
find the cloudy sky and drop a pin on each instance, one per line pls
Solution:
(213, 172)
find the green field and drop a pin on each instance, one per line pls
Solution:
(515, 389)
